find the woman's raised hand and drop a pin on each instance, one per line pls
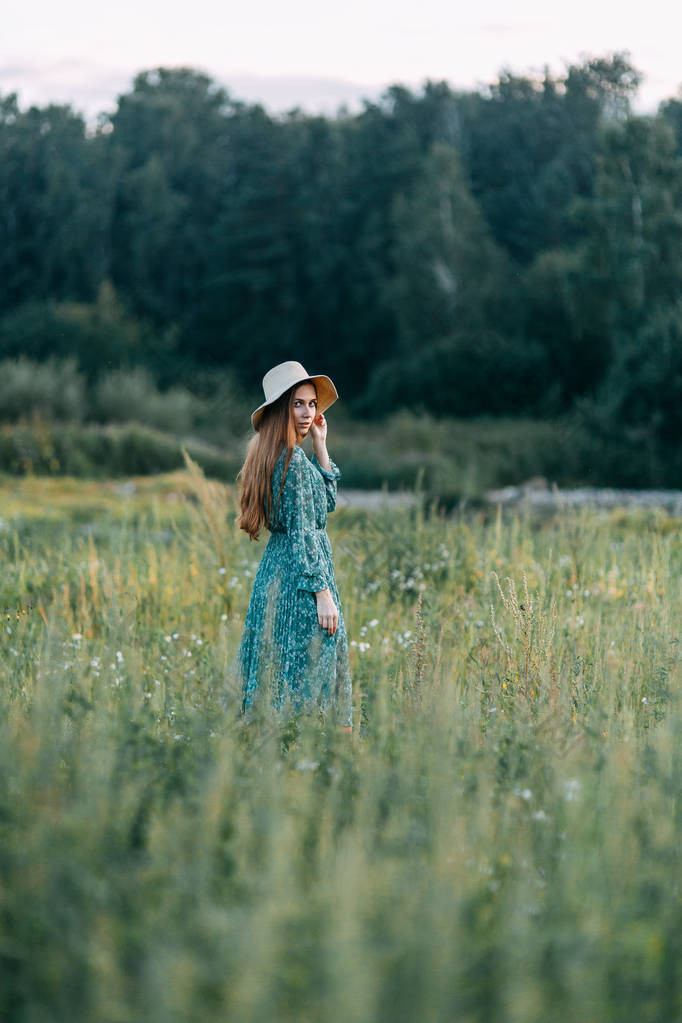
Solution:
(327, 612)
(318, 429)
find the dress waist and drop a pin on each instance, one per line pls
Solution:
(280, 533)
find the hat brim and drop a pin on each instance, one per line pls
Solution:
(326, 396)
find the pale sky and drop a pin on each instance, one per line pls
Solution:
(318, 54)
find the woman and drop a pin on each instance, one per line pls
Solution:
(294, 642)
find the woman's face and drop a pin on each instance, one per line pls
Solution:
(304, 408)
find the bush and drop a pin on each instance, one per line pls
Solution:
(96, 334)
(127, 395)
(455, 459)
(222, 408)
(466, 374)
(103, 451)
(53, 389)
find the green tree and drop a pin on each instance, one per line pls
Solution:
(248, 313)
(99, 334)
(529, 147)
(55, 204)
(171, 134)
(587, 303)
(456, 305)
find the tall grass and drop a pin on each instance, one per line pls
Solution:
(500, 841)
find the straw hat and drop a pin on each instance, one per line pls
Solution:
(279, 379)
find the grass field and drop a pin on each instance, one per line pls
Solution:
(499, 842)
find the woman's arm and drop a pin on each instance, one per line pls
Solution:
(298, 516)
(328, 470)
(329, 477)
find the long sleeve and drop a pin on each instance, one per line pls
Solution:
(330, 479)
(298, 517)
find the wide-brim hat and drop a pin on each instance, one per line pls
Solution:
(280, 378)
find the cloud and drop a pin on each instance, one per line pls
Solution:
(88, 87)
(93, 88)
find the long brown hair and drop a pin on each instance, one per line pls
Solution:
(276, 431)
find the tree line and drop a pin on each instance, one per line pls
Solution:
(515, 249)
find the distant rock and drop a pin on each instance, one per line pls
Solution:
(537, 496)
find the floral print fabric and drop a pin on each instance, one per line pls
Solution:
(283, 650)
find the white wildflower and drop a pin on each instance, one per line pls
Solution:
(571, 788)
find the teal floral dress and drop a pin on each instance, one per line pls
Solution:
(283, 650)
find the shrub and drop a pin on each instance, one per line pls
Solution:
(102, 451)
(126, 395)
(53, 389)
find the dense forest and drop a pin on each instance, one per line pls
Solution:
(515, 250)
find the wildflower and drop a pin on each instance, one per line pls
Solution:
(524, 793)
(222, 571)
(307, 765)
(571, 788)
(373, 624)
(539, 815)
(223, 618)
(76, 636)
